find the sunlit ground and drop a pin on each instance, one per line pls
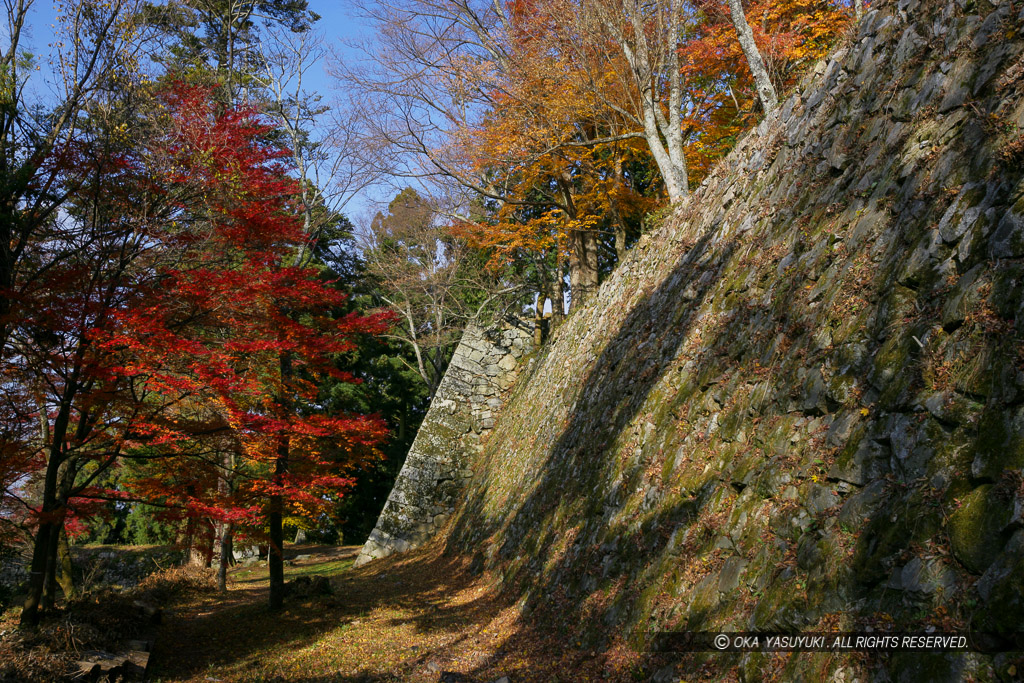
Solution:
(421, 618)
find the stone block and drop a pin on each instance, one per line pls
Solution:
(1007, 240)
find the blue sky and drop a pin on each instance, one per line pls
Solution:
(337, 24)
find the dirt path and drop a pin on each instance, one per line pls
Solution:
(420, 618)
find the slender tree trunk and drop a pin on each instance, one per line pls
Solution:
(544, 294)
(225, 484)
(765, 90)
(672, 129)
(43, 569)
(58, 554)
(209, 536)
(620, 239)
(674, 175)
(275, 559)
(538, 320)
(37, 576)
(582, 250)
(44, 419)
(664, 135)
(227, 556)
(620, 224)
(858, 9)
(49, 512)
(11, 230)
(557, 294)
(194, 555)
(49, 599)
(65, 576)
(421, 365)
(583, 271)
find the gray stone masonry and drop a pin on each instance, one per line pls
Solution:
(799, 402)
(484, 367)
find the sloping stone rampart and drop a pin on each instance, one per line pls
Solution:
(798, 405)
(483, 369)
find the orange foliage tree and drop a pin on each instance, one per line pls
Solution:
(572, 118)
(561, 143)
(791, 35)
(571, 175)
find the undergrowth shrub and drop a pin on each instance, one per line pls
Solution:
(100, 619)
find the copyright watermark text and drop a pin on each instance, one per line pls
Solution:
(701, 641)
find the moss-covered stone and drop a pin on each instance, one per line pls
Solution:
(889, 370)
(1008, 238)
(890, 530)
(951, 452)
(976, 528)
(1001, 591)
(860, 459)
(999, 445)
(783, 607)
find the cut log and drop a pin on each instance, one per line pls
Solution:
(136, 664)
(126, 666)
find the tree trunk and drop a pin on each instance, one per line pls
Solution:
(620, 224)
(582, 249)
(48, 514)
(275, 559)
(583, 271)
(858, 9)
(765, 90)
(49, 599)
(65, 576)
(193, 554)
(620, 240)
(403, 423)
(538, 320)
(664, 135)
(37, 576)
(557, 295)
(225, 484)
(227, 556)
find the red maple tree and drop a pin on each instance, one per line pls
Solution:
(235, 335)
(179, 328)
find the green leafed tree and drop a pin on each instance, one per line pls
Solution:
(221, 37)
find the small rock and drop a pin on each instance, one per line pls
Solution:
(666, 674)
(729, 577)
(821, 499)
